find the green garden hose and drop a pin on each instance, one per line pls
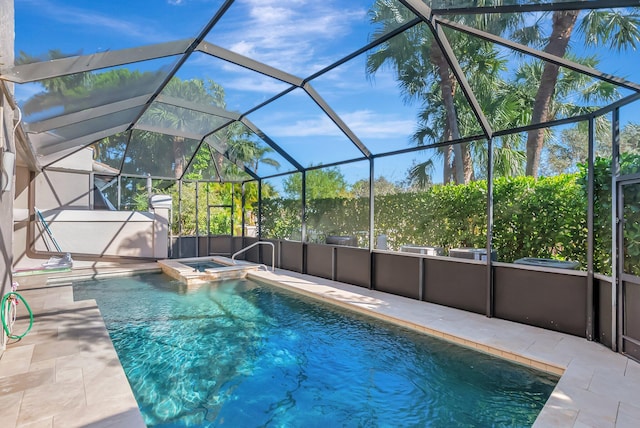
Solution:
(7, 299)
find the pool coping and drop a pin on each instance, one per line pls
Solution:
(177, 269)
(596, 387)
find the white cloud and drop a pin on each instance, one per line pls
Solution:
(350, 79)
(320, 126)
(365, 124)
(287, 33)
(235, 77)
(253, 84)
(244, 48)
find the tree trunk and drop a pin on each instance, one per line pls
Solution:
(447, 88)
(467, 163)
(563, 24)
(447, 170)
(178, 156)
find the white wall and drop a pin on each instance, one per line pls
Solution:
(64, 197)
(6, 144)
(21, 215)
(63, 189)
(113, 233)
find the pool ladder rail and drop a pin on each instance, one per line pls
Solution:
(273, 253)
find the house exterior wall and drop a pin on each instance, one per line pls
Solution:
(64, 198)
(21, 215)
(63, 190)
(6, 145)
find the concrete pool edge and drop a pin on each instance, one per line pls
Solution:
(228, 269)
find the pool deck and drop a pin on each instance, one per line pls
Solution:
(65, 372)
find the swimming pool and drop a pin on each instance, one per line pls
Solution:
(237, 353)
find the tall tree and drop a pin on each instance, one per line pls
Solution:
(564, 154)
(418, 61)
(630, 138)
(168, 116)
(248, 151)
(563, 23)
(55, 88)
(616, 28)
(574, 94)
(322, 183)
(382, 186)
(424, 74)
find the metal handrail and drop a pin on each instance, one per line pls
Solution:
(273, 253)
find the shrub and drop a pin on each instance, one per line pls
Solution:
(544, 218)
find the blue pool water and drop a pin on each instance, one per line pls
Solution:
(240, 354)
(202, 266)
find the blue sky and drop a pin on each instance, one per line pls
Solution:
(296, 36)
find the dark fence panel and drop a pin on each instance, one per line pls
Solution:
(237, 244)
(291, 253)
(397, 274)
(631, 299)
(631, 349)
(173, 247)
(267, 253)
(203, 251)
(353, 266)
(252, 254)
(320, 260)
(220, 245)
(603, 326)
(186, 247)
(552, 300)
(456, 283)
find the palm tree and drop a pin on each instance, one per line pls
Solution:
(57, 85)
(417, 63)
(173, 117)
(563, 102)
(615, 28)
(250, 153)
(507, 105)
(424, 74)
(79, 91)
(234, 142)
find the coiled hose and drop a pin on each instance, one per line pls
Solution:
(10, 312)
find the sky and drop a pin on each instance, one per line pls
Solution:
(299, 37)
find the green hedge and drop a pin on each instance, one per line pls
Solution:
(532, 218)
(629, 165)
(544, 218)
(540, 218)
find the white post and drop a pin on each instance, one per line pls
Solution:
(161, 207)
